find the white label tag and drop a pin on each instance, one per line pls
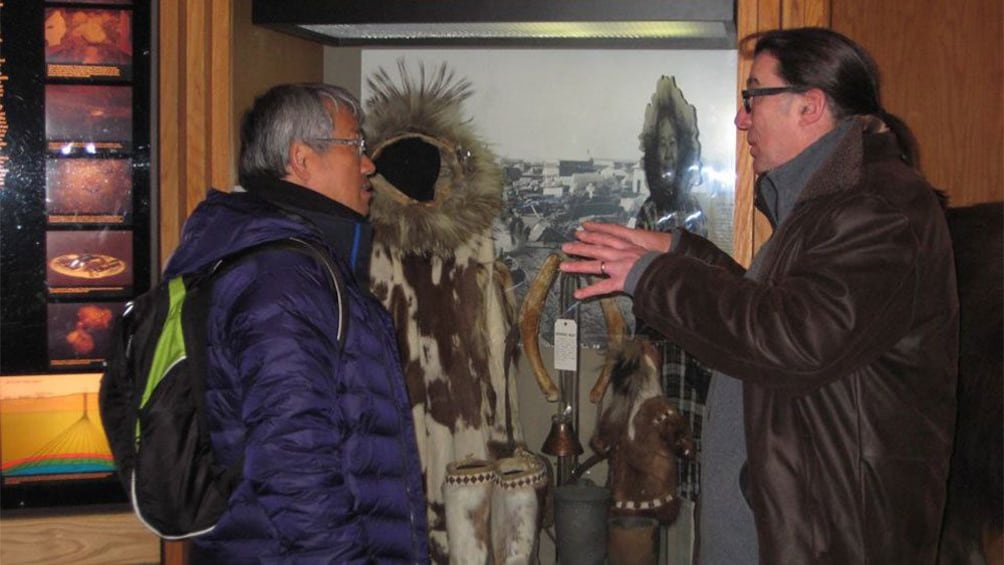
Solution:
(566, 345)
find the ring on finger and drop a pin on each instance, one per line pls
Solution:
(603, 267)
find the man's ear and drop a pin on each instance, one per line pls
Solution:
(813, 106)
(296, 166)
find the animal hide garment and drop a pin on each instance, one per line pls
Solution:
(643, 433)
(452, 334)
(438, 191)
(467, 492)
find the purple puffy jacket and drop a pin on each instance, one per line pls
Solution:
(331, 472)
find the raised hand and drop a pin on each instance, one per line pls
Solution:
(609, 250)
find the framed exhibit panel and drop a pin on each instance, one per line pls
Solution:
(77, 233)
(88, 43)
(49, 429)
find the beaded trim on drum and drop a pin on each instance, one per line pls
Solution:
(644, 504)
(531, 480)
(471, 478)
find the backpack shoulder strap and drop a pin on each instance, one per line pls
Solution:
(335, 280)
(197, 308)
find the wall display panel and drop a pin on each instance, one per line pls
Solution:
(88, 119)
(88, 190)
(51, 428)
(80, 332)
(88, 43)
(84, 262)
(75, 188)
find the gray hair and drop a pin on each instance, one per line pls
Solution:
(282, 115)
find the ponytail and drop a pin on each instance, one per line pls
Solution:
(907, 141)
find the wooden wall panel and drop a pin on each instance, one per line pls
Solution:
(799, 13)
(194, 86)
(943, 73)
(195, 146)
(169, 160)
(264, 58)
(222, 46)
(213, 62)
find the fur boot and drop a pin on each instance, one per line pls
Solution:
(467, 493)
(517, 508)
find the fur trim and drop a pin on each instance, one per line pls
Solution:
(873, 124)
(469, 189)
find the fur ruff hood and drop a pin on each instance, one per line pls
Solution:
(467, 194)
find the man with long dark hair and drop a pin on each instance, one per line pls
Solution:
(831, 411)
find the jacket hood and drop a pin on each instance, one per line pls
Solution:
(438, 184)
(225, 223)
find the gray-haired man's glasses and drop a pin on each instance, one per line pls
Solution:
(359, 142)
(751, 93)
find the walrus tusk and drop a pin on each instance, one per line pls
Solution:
(529, 323)
(616, 329)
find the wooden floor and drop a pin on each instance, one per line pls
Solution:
(104, 538)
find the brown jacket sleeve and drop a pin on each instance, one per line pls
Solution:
(703, 250)
(836, 292)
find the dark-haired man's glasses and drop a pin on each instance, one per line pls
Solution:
(359, 142)
(751, 93)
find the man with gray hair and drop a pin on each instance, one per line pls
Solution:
(321, 426)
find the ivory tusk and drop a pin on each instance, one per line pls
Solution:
(616, 329)
(529, 323)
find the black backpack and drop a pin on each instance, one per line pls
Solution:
(152, 398)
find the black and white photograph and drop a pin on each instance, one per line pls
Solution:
(635, 137)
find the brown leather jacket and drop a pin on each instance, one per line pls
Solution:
(847, 346)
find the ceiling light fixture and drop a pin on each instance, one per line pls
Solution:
(635, 23)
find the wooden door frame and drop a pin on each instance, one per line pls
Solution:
(195, 101)
(195, 146)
